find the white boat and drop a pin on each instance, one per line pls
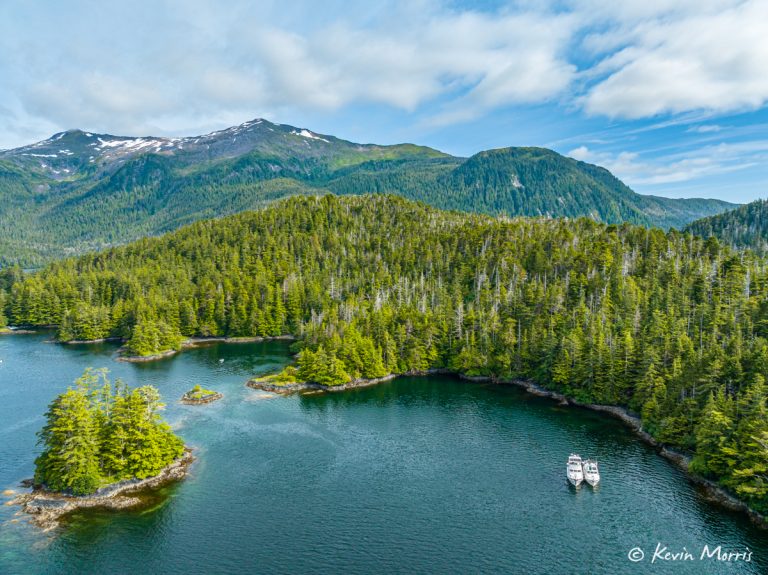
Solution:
(591, 473)
(574, 470)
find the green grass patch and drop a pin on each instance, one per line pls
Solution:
(198, 392)
(285, 377)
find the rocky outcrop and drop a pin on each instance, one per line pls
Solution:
(187, 399)
(192, 343)
(288, 388)
(199, 341)
(143, 358)
(102, 340)
(46, 508)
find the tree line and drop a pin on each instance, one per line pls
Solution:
(668, 324)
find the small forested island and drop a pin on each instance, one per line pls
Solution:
(668, 326)
(198, 395)
(149, 339)
(101, 441)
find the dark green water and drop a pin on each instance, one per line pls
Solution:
(419, 475)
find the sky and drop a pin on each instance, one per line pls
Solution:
(671, 96)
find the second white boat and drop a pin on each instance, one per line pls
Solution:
(591, 473)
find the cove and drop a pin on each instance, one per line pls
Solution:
(418, 475)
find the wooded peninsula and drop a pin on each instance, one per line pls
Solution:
(671, 326)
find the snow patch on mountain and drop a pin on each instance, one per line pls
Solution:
(307, 134)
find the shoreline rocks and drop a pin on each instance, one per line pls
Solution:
(191, 343)
(188, 400)
(145, 358)
(201, 341)
(16, 331)
(289, 388)
(87, 341)
(46, 508)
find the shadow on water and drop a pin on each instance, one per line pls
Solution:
(438, 391)
(88, 523)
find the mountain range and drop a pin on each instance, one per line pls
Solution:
(79, 191)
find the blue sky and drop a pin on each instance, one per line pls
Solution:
(669, 95)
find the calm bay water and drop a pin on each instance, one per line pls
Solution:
(418, 475)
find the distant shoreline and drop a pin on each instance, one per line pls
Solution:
(16, 331)
(194, 342)
(191, 342)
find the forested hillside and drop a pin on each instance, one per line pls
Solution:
(673, 326)
(78, 192)
(744, 227)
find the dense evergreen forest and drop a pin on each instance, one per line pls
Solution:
(670, 325)
(80, 192)
(744, 227)
(98, 433)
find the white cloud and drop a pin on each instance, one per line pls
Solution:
(675, 168)
(174, 66)
(169, 63)
(697, 57)
(705, 129)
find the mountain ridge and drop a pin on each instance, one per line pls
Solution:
(743, 227)
(78, 191)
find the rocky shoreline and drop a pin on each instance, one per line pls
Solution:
(145, 358)
(191, 343)
(102, 340)
(200, 341)
(207, 399)
(46, 508)
(711, 490)
(15, 331)
(289, 388)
